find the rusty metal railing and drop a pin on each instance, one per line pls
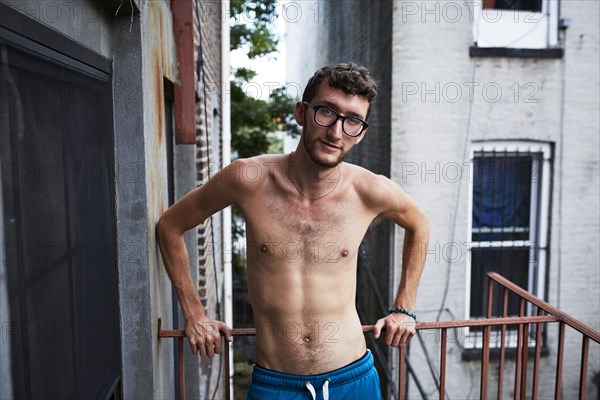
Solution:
(553, 315)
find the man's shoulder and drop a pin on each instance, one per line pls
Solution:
(376, 190)
(364, 178)
(252, 171)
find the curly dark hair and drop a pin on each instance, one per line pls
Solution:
(349, 77)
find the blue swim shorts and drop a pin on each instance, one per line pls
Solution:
(358, 380)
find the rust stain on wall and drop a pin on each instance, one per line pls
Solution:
(164, 63)
(159, 105)
(161, 21)
(152, 191)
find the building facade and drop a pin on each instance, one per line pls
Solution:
(490, 121)
(111, 111)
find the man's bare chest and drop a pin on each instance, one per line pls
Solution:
(284, 232)
(308, 221)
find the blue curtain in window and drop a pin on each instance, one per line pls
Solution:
(501, 196)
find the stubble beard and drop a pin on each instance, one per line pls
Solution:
(311, 149)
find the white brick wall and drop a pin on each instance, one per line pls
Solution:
(429, 133)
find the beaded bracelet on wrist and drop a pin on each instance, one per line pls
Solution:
(402, 311)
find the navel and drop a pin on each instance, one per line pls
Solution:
(306, 339)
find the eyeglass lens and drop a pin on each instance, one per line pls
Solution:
(326, 116)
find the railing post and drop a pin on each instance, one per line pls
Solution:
(536, 362)
(443, 364)
(181, 368)
(485, 348)
(490, 297)
(559, 360)
(502, 342)
(485, 358)
(227, 372)
(519, 360)
(585, 345)
(401, 374)
(524, 361)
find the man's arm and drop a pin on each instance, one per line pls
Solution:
(406, 213)
(203, 333)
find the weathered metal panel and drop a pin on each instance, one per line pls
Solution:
(185, 103)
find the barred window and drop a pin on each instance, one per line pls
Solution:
(508, 228)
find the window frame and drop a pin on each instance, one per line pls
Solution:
(537, 273)
(490, 27)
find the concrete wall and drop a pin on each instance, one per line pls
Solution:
(158, 62)
(85, 20)
(306, 40)
(435, 128)
(141, 44)
(184, 157)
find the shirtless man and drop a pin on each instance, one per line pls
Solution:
(306, 214)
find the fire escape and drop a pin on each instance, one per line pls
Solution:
(526, 327)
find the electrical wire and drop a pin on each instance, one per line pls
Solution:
(381, 358)
(442, 307)
(563, 91)
(457, 202)
(430, 364)
(411, 372)
(373, 283)
(132, 10)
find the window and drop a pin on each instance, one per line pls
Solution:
(508, 221)
(521, 24)
(58, 195)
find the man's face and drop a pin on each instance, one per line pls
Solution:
(328, 146)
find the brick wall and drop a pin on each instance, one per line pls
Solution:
(207, 36)
(430, 132)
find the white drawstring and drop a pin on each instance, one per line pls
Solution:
(313, 392)
(311, 389)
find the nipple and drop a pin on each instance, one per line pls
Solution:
(264, 248)
(345, 253)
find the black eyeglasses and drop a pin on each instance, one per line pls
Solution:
(327, 116)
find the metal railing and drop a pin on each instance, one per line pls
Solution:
(546, 313)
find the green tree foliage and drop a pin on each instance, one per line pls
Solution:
(252, 26)
(253, 121)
